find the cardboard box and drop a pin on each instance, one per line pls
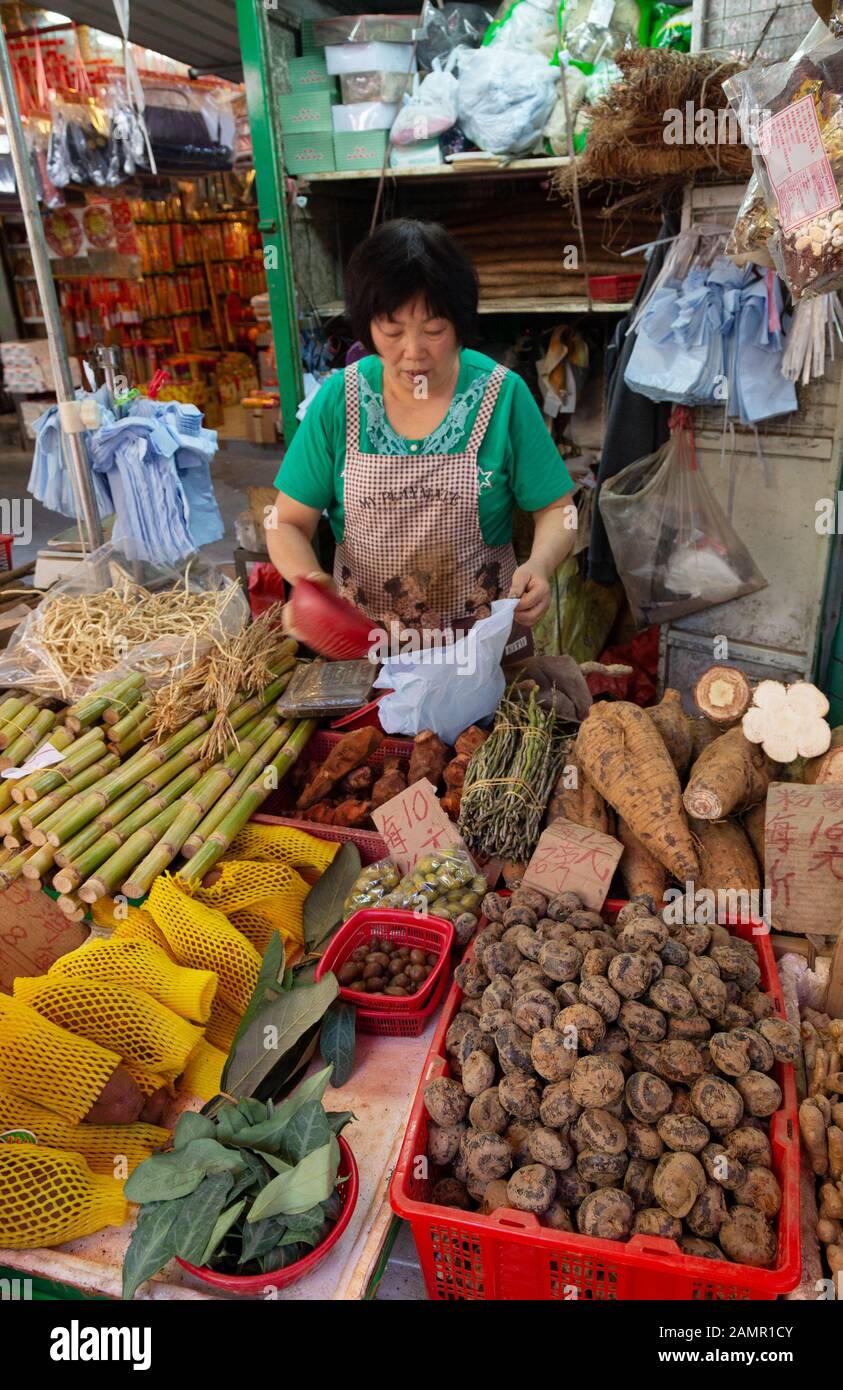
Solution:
(310, 74)
(309, 154)
(364, 115)
(362, 149)
(306, 112)
(424, 154)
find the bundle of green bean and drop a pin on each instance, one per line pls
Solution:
(509, 780)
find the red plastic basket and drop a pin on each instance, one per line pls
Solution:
(403, 927)
(409, 1025)
(613, 289)
(508, 1255)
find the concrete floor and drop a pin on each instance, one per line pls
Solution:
(238, 465)
(402, 1280)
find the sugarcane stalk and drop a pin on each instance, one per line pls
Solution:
(39, 863)
(13, 868)
(37, 820)
(95, 846)
(127, 725)
(127, 856)
(86, 699)
(18, 752)
(134, 739)
(10, 821)
(80, 754)
(242, 713)
(18, 725)
(121, 707)
(220, 839)
(92, 708)
(59, 739)
(242, 782)
(71, 907)
(11, 706)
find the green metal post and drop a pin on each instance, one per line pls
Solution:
(253, 21)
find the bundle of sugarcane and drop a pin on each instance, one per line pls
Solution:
(510, 778)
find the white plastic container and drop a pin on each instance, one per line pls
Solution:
(425, 154)
(369, 57)
(364, 115)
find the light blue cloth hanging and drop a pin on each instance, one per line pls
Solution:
(49, 480)
(760, 389)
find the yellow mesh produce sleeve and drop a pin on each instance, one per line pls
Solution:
(203, 1072)
(243, 882)
(139, 926)
(50, 1196)
(49, 1064)
(103, 912)
(140, 1029)
(278, 844)
(189, 993)
(202, 937)
(222, 1025)
(151, 1081)
(101, 1145)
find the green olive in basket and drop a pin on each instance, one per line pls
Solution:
(427, 864)
(469, 902)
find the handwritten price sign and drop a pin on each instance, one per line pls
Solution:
(571, 858)
(413, 824)
(803, 857)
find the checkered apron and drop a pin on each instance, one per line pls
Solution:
(407, 513)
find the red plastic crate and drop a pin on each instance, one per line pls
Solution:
(510, 1256)
(409, 1025)
(429, 934)
(613, 289)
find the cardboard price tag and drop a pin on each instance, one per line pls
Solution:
(572, 858)
(803, 857)
(413, 824)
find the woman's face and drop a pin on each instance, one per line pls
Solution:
(413, 343)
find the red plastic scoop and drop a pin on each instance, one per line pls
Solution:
(327, 623)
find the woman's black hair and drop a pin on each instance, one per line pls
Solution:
(401, 260)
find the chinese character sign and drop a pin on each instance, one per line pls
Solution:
(803, 855)
(572, 858)
(413, 823)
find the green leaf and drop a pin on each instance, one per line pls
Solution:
(332, 1207)
(308, 1227)
(324, 903)
(338, 1119)
(274, 1029)
(266, 1136)
(297, 1059)
(289, 977)
(230, 1123)
(279, 1164)
(281, 1257)
(305, 973)
(255, 1177)
(177, 1174)
(193, 1126)
(306, 1131)
(151, 1245)
(260, 1237)
(222, 1225)
(311, 1181)
(336, 1041)
(253, 1111)
(197, 1216)
(268, 985)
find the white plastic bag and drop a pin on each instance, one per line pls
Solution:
(447, 688)
(505, 97)
(430, 109)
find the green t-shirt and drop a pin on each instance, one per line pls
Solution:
(518, 463)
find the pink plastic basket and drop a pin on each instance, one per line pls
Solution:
(429, 934)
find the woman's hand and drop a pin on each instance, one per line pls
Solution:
(530, 585)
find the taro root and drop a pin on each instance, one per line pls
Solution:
(448, 1192)
(644, 934)
(443, 1143)
(598, 994)
(520, 917)
(585, 919)
(700, 1249)
(557, 1217)
(721, 1167)
(782, 1037)
(513, 1048)
(734, 1016)
(640, 1021)
(488, 1156)
(460, 1024)
(490, 1020)
(672, 999)
(473, 1040)
(528, 942)
(471, 1006)
(567, 994)
(615, 1042)
(675, 972)
(581, 1024)
(631, 911)
(534, 1010)
(678, 1182)
(655, 963)
(445, 1102)
(493, 906)
(674, 953)
(471, 978)
(597, 1129)
(560, 961)
(730, 959)
(498, 995)
(551, 1058)
(638, 1182)
(583, 941)
(500, 958)
(460, 1169)
(645, 1054)
(643, 1141)
(520, 1095)
(749, 1145)
(761, 1094)
(509, 937)
(532, 1188)
(487, 1114)
(655, 1221)
(648, 1097)
(694, 938)
(759, 1190)
(529, 975)
(717, 1103)
(630, 974)
(730, 1054)
(495, 1195)
(681, 1102)
(704, 965)
(694, 1029)
(680, 1061)
(761, 1056)
(548, 930)
(465, 925)
(596, 961)
(683, 1133)
(601, 1170)
(748, 1238)
(708, 1212)
(548, 1147)
(530, 897)
(558, 1108)
(606, 1214)
(596, 1081)
(478, 1073)
(571, 1188)
(761, 1006)
(517, 1135)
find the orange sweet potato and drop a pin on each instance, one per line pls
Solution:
(350, 752)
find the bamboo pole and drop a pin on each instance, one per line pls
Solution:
(18, 751)
(37, 820)
(219, 840)
(127, 856)
(18, 725)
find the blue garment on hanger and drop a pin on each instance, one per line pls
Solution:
(760, 388)
(49, 480)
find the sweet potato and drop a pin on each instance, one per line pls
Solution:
(390, 782)
(727, 859)
(674, 726)
(731, 775)
(428, 757)
(753, 823)
(640, 871)
(360, 780)
(454, 772)
(625, 758)
(120, 1101)
(579, 802)
(470, 740)
(352, 749)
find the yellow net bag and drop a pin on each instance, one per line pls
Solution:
(104, 913)
(140, 926)
(150, 1081)
(202, 937)
(140, 1029)
(278, 844)
(203, 1072)
(189, 993)
(48, 1064)
(102, 1146)
(50, 1196)
(242, 882)
(260, 921)
(222, 1025)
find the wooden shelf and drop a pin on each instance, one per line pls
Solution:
(515, 168)
(518, 306)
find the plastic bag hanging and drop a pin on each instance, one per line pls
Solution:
(134, 87)
(674, 548)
